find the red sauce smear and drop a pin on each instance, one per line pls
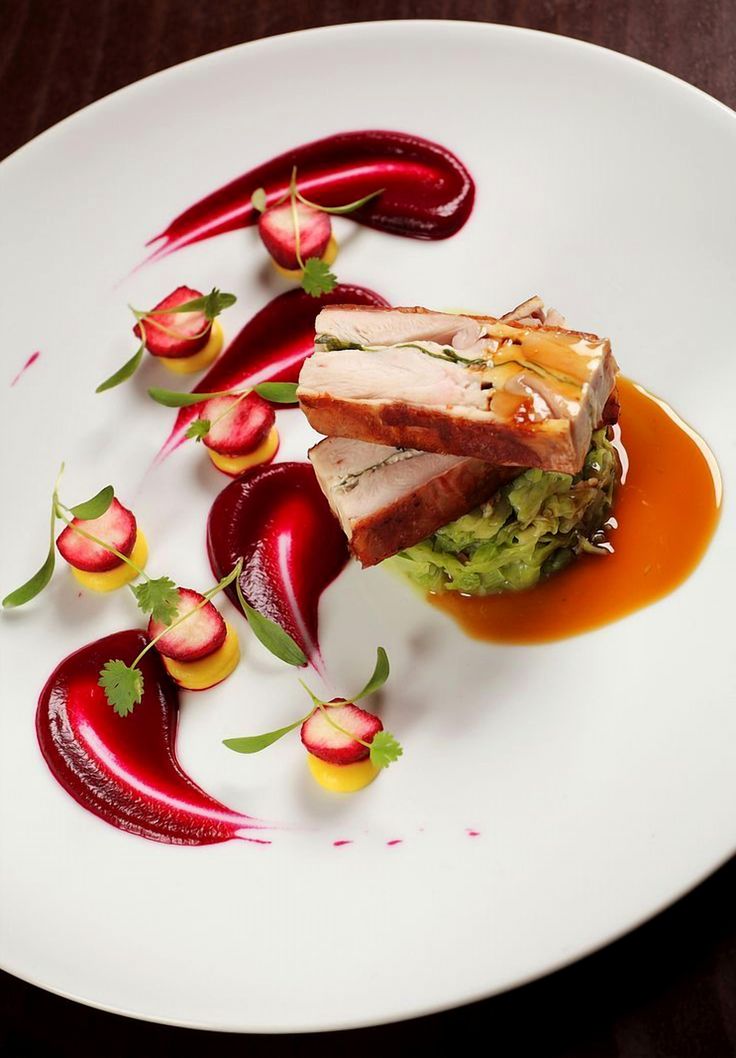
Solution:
(271, 347)
(124, 769)
(428, 193)
(665, 513)
(29, 362)
(277, 520)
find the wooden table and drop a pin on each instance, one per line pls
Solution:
(667, 990)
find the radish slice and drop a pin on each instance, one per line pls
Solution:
(241, 430)
(326, 742)
(201, 634)
(276, 228)
(117, 527)
(191, 329)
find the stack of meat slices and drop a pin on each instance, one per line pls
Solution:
(428, 413)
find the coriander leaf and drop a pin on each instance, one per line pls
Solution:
(384, 749)
(277, 392)
(273, 636)
(317, 278)
(123, 686)
(35, 585)
(258, 199)
(349, 208)
(172, 398)
(128, 369)
(95, 507)
(159, 597)
(255, 743)
(379, 677)
(199, 429)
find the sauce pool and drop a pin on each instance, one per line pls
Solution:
(665, 512)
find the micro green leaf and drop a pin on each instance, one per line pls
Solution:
(35, 585)
(379, 677)
(255, 743)
(159, 597)
(95, 507)
(317, 279)
(258, 199)
(349, 208)
(273, 636)
(123, 686)
(172, 398)
(198, 429)
(211, 305)
(128, 369)
(277, 392)
(384, 749)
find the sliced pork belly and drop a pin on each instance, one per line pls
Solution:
(387, 499)
(512, 391)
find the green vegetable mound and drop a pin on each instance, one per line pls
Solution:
(531, 528)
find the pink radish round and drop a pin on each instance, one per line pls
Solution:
(276, 228)
(116, 527)
(241, 430)
(201, 634)
(191, 329)
(323, 740)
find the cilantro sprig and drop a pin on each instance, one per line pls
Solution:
(210, 305)
(383, 748)
(317, 278)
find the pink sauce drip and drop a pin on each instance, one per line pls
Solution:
(338, 844)
(277, 520)
(473, 833)
(271, 347)
(29, 362)
(428, 193)
(124, 769)
(396, 841)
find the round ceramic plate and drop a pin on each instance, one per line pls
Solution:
(550, 797)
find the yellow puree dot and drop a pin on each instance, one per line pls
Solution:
(237, 464)
(342, 778)
(187, 365)
(120, 575)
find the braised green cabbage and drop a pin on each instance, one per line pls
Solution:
(531, 528)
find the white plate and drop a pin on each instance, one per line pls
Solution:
(599, 771)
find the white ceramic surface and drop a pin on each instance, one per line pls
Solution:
(599, 771)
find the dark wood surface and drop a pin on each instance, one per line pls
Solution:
(668, 990)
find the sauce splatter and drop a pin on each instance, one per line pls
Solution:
(344, 841)
(653, 547)
(29, 363)
(271, 347)
(124, 769)
(472, 833)
(395, 841)
(428, 193)
(278, 521)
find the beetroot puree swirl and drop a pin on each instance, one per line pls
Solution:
(271, 347)
(428, 193)
(124, 769)
(278, 521)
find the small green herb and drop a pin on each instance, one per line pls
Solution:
(159, 597)
(317, 279)
(123, 373)
(277, 392)
(349, 208)
(35, 585)
(384, 749)
(95, 507)
(198, 429)
(271, 635)
(122, 684)
(380, 675)
(255, 743)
